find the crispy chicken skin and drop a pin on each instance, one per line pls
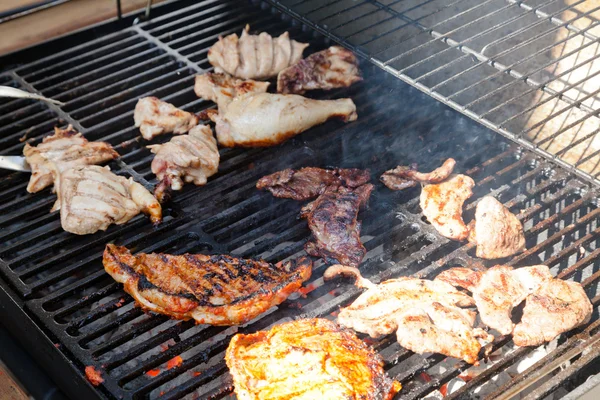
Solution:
(222, 88)
(185, 158)
(306, 359)
(65, 149)
(91, 198)
(332, 68)
(216, 290)
(403, 177)
(496, 231)
(155, 117)
(254, 56)
(266, 119)
(442, 205)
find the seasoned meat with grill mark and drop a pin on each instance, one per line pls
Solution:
(333, 221)
(496, 231)
(155, 117)
(403, 177)
(306, 359)
(442, 205)
(59, 152)
(331, 68)
(216, 290)
(307, 183)
(222, 88)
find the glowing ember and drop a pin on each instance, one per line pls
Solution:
(93, 375)
(153, 372)
(174, 362)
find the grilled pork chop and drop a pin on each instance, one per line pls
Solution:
(65, 149)
(155, 117)
(442, 205)
(216, 290)
(222, 88)
(306, 359)
(403, 177)
(331, 68)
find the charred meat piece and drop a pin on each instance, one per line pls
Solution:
(307, 359)
(222, 88)
(216, 290)
(307, 183)
(64, 150)
(442, 205)
(332, 219)
(403, 177)
(155, 117)
(332, 68)
(266, 119)
(190, 158)
(91, 198)
(496, 231)
(254, 56)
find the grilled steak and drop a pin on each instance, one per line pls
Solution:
(403, 177)
(155, 117)
(216, 290)
(306, 359)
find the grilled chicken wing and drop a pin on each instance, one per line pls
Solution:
(265, 119)
(307, 183)
(496, 231)
(557, 306)
(155, 117)
(306, 359)
(216, 290)
(222, 88)
(254, 56)
(332, 68)
(65, 149)
(190, 158)
(403, 177)
(91, 198)
(442, 205)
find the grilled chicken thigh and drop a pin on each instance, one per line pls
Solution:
(496, 231)
(332, 68)
(254, 56)
(91, 198)
(403, 177)
(65, 149)
(216, 290)
(306, 359)
(222, 88)
(442, 205)
(190, 158)
(266, 119)
(155, 117)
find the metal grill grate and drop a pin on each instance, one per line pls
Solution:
(527, 69)
(56, 291)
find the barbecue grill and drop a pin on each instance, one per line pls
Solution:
(482, 59)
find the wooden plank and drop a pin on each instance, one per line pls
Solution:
(9, 388)
(7, 5)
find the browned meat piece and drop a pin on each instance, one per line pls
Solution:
(254, 56)
(557, 306)
(64, 150)
(403, 177)
(461, 277)
(191, 158)
(216, 290)
(155, 117)
(496, 231)
(332, 219)
(307, 183)
(307, 359)
(222, 88)
(332, 68)
(442, 205)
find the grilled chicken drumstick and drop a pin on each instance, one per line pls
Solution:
(403, 177)
(307, 359)
(155, 117)
(216, 290)
(222, 88)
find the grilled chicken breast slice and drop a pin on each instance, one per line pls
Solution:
(155, 117)
(266, 119)
(65, 149)
(442, 205)
(403, 177)
(216, 290)
(91, 198)
(331, 68)
(185, 158)
(222, 88)
(306, 359)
